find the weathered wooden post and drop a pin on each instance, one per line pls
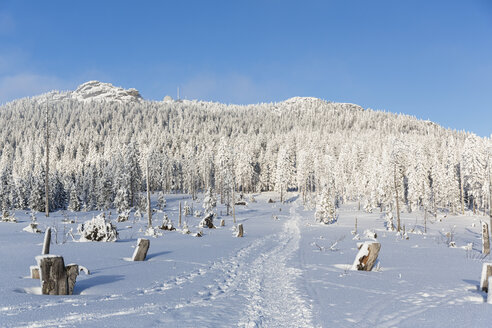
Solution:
(72, 273)
(485, 238)
(52, 274)
(222, 222)
(34, 271)
(140, 252)
(179, 223)
(486, 273)
(367, 256)
(47, 241)
(240, 230)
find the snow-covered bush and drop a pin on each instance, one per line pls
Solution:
(32, 228)
(207, 221)
(97, 229)
(198, 214)
(167, 224)
(6, 217)
(124, 216)
(325, 209)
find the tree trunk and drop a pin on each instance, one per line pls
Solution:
(140, 252)
(222, 223)
(47, 241)
(149, 208)
(367, 256)
(485, 238)
(46, 180)
(462, 193)
(179, 222)
(397, 201)
(53, 275)
(233, 207)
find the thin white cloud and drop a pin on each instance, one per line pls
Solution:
(27, 85)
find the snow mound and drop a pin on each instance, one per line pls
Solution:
(95, 90)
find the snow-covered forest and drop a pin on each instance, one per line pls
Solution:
(102, 137)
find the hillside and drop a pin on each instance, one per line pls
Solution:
(102, 136)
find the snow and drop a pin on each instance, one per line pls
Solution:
(275, 276)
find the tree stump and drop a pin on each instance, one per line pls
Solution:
(486, 273)
(240, 230)
(222, 223)
(367, 256)
(72, 273)
(140, 252)
(489, 295)
(53, 275)
(47, 241)
(34, 271)
(485, 238)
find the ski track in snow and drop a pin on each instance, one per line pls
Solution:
(274, 300)
(257, 277)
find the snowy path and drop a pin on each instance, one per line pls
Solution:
(274, 300)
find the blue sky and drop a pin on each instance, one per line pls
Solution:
(430, 59)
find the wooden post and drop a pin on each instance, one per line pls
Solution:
(485, 238)
(240, 230)
(367, 256)
(53, 275)
(140, 252)
(233, 206)
(72, 273)
(222, 222)
(484, 279)
(47, 241)
(425, 220)
(34, 271)
(355, 231)
(179, 222)
(149, 209)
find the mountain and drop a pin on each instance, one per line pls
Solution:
(94, 91)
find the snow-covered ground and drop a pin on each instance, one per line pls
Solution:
(287, 271)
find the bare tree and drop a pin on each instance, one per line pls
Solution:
(149, 209)
(46, 181)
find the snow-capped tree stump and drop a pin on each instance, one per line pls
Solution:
(47, 241)
(140, 252)
(222, 223)
(240, 230)
(485, 238)
(367, 256)
(52, 274)
(34, 269)
(486, 273)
